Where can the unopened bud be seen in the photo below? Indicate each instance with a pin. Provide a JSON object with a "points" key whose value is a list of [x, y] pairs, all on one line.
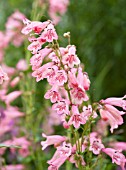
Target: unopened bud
{"points": [[66, 35]]}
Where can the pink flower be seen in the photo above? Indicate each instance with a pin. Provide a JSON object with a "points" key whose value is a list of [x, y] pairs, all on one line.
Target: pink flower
{"points": [[11, 97], [112, 115], [120, 102], [34, 47], [16, 113], [77, 92], [71, 58], [61, 155], [37, 59], [35, 26], [60, 77], [53, 94], [3, 76], [121, 146], [15, 81], [40, 72], [52, 140], [49, 33], [22, 65], [95, 145], [117, 157], [87, 112], [61, 107], [83, 79], [76, 119]]}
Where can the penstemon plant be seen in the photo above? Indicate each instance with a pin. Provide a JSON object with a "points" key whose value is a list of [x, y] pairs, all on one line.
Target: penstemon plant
{"points": [[85, 144]]}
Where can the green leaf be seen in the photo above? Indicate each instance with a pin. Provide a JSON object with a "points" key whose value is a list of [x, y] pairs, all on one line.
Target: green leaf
{"points": [[2, 145]]}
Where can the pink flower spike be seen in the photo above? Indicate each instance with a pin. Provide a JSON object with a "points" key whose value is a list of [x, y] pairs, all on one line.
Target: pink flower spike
{"points": [[115, 101], [52, 140], [117, 157], [76, 119], [49, 33], [3, 76]]}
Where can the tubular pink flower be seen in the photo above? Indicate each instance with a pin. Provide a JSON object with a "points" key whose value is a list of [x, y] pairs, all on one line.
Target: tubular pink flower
{"points": [[62, 107], [95, 145], [60, 77], [112, 120], [37, 59], [49, 33], [40, 72], [115, 101], [35, 26], [71, 58], [53, 94], [15, 81], [11, 97], [83, 79], [121, 146], [3, 76], [61, 155], [76, 119], [87, 112], [117, 157], [52, 140], [34, 47], [22, 65], [77, 92]]}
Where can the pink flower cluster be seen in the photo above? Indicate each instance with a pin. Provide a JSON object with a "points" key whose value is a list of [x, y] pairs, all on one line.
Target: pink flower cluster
{"points": [[69, 98], [12, 33]]}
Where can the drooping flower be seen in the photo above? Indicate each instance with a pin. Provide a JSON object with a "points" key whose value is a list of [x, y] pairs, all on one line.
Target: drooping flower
{"points": [[117, 156], [115, 101], [52, 140], [112, 115], [61, 155]]}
